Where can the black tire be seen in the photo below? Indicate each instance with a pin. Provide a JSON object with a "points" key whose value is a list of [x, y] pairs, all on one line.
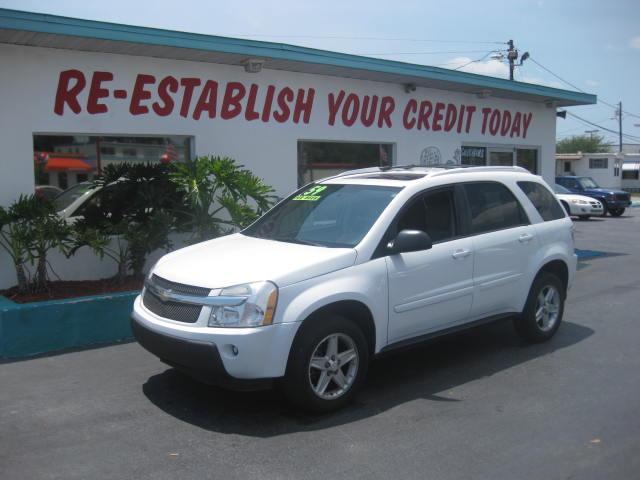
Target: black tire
{"points": [[566, 207], [604, 207], [297, 383], [584, 217], [526, 324], [616, 212]]}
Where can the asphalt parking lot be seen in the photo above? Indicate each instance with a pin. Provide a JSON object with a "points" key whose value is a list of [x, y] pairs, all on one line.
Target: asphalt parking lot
{"points": [[478, 405]]}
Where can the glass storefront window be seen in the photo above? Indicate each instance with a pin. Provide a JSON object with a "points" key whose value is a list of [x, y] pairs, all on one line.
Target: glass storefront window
{"points": [[66, 160], [318, 159], [527, 158]]}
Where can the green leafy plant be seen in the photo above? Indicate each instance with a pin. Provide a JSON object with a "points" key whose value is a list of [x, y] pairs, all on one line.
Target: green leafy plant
{"points": [[218, 196], [130, 216], [583, 143], [29, 229]]}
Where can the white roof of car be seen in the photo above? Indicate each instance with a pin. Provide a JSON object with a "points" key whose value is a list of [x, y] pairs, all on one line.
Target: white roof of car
{"points": [[410, 174]]}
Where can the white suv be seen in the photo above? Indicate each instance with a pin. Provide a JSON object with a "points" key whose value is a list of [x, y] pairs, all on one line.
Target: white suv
{"points": [[357, 265]]}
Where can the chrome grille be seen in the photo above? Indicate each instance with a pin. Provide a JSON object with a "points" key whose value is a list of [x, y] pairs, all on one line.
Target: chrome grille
{"points": [[179, 287], [178, 311], [622, 196]]}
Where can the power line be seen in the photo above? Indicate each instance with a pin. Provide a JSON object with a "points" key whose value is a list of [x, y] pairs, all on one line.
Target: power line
{"points": [[600, 100], [392, 39], [474, 61], [601, 127], [421, 53]]}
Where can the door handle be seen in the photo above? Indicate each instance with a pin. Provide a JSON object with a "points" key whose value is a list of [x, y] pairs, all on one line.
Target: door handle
{"points": [[461, 254], [525, 237]]}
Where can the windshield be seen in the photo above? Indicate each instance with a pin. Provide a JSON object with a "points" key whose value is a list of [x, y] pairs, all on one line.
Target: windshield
{"points": [[588, 182], [325, 215], [70, 195], [560, 189]]}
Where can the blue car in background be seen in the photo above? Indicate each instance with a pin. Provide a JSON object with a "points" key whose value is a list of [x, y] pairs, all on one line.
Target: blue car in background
{"points": [[613, 201]]}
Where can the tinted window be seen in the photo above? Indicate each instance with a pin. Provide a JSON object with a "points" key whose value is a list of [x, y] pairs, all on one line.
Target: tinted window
{"points": [[433, 213], [546, 204], [328, 215], [493, 207]]}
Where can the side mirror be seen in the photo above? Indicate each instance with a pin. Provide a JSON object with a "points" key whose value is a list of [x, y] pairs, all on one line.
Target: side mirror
{"points": [[410, 241]]}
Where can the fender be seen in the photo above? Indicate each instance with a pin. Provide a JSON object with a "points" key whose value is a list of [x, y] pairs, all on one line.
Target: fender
{"points": [[550, 249], [365, 283]]}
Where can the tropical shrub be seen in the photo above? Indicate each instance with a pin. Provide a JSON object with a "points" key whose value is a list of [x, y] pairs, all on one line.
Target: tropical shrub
{"points": [[29, 229], [218, 196]]}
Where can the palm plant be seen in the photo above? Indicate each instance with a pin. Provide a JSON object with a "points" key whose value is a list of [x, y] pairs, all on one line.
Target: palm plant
{"points": [[218, 195], [29, 229]]}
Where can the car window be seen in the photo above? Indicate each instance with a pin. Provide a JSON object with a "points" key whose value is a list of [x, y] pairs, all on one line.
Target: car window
{"points": [[432, 213], [544, 201], [493, 207], [560, 189], [328, 215], [588, 182], [70, 195]]}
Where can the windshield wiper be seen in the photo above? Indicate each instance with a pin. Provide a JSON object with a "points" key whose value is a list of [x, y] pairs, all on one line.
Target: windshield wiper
{"points": [[296, 240]]}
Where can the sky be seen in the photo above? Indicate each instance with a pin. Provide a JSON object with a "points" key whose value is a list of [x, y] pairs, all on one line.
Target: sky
{"points": [[593, 45]]}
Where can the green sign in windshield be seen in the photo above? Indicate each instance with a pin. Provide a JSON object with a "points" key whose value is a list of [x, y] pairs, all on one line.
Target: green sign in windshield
{"points": [[311, 195]]}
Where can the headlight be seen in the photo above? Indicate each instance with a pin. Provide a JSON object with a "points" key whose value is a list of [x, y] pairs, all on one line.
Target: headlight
{"points": [[256, 310], [579, 202]]}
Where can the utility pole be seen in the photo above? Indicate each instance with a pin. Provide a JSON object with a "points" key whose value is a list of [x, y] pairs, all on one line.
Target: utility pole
{"points": [[591, 132], [620, 125], [512, 56]]}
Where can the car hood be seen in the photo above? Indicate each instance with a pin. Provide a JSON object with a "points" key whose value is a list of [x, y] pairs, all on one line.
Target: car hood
{"points": [[237, 259], [603, 191], [573, 196]]}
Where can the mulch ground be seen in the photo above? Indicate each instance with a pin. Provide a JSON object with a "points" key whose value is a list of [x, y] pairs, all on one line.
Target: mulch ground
{"points": [[67, 289]]}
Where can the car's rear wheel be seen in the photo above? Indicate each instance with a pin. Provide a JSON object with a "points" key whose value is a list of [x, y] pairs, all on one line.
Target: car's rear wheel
{"points": [[543, 311], [616, 212], [327, 364]]}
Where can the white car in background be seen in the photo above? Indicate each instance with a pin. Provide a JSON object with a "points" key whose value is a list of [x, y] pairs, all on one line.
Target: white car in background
{"points": [[578, 205], [70, 203]]}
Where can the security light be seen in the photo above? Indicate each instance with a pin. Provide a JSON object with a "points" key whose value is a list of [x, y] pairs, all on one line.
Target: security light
{"points": [[253, 65]]}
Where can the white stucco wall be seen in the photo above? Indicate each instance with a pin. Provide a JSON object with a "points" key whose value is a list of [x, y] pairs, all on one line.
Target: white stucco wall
{"points": [[29, 79], [604, 177]]}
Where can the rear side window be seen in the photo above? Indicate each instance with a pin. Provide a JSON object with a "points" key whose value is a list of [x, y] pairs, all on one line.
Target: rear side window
{"points": [[544, 201], [493, 207]]}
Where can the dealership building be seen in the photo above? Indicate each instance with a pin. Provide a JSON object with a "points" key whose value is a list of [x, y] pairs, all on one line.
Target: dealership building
{"points": [[78, 95]]}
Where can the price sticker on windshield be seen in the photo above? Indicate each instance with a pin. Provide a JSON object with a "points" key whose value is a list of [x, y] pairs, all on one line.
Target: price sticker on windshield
{"points": [[311, 195]]}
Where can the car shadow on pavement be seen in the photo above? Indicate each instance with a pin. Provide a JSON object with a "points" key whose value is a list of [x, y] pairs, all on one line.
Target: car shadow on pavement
{"points": [[430, 373]]}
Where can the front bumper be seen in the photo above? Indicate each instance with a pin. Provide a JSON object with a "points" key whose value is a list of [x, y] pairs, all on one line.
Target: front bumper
{"points": [[238, 358], [613, 203]]}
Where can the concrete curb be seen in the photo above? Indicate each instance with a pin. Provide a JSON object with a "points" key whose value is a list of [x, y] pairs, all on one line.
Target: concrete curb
{"points": [[43, 327]]}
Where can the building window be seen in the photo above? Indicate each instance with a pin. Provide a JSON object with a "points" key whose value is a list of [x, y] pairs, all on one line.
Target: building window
{"points": [[500, 156], [474, 155], [52, 154], [527, 158], [630, 174], [130, 152], [598, 163], [567, 167], [322, 159]]}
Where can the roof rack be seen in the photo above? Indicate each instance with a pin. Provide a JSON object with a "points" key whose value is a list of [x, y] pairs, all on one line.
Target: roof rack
{"points": [[465, 168]]}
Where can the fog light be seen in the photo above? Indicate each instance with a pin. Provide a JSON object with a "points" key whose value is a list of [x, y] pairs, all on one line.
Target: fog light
{"points": [[234, 350]]}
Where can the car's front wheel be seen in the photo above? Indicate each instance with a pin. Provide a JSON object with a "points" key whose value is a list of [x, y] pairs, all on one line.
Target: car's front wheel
{"points": [[616, 212], [327, 364], [543, 311], [584, 217]]}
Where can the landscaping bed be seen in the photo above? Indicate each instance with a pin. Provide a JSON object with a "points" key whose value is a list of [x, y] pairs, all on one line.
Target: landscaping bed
{"points": [[72, 289]]}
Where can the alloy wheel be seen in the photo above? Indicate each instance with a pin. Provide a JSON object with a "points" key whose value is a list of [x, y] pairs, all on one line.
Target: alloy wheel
{"points": [[333, 366]]}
